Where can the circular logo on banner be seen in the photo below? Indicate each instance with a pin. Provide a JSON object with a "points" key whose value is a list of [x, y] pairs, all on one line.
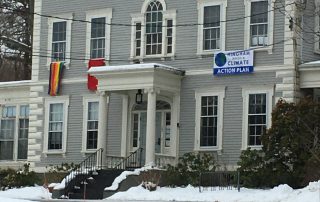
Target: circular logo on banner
{"points": [[220, 59]]}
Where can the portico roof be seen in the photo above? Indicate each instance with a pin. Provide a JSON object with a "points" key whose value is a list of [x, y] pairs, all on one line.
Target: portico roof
{"points": [[310, 74], [138, 76]]}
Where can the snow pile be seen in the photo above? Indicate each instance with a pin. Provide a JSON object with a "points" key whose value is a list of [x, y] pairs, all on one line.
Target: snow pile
{"points": [[31, 193], [281, 193], [124, 174]]}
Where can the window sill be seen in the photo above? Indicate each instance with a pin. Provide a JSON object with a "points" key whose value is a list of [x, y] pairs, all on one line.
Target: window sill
{"points": [[262, 49], [210, 149], [54, 152], [162, 57], [84, 152], [258, 147], [202, 54]]}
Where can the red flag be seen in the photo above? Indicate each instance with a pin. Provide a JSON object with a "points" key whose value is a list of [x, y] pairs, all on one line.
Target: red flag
{"points": [[92, 81]]}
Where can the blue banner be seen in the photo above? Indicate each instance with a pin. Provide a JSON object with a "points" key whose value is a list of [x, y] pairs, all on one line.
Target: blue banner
{"points": [[233, 62]]}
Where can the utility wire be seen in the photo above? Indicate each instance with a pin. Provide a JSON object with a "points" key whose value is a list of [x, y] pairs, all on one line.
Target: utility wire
{"points": [[130, 25], [40, 55]]}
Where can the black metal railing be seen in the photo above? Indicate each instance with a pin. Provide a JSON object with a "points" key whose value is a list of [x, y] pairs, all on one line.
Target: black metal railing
{"points": [[83, 170], [219, 180], [134, 160]]}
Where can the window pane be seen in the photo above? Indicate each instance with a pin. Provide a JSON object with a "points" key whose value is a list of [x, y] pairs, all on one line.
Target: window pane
{"points": [[55, 126], [208, 121], [6, 150], [92, 125], [256, 118], [59, 35], [154, 28]]}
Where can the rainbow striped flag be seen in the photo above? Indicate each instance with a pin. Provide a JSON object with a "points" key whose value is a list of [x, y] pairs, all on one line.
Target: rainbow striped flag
{"points": [[56, 69]]}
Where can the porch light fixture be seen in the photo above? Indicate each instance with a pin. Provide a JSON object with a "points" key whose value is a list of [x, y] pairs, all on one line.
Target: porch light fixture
{"points": [[139, 96]]}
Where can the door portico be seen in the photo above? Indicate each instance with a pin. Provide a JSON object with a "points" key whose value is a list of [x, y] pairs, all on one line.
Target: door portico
{"points": [[155, 80]]}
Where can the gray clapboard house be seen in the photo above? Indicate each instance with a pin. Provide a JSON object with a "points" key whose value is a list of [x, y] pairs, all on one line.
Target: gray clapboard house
{"points": [[162, 51]]}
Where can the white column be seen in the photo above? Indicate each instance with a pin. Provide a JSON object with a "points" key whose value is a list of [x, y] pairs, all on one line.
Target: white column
{"points": [[175, 118], [124, 132], [151, 127], [102, 125]]}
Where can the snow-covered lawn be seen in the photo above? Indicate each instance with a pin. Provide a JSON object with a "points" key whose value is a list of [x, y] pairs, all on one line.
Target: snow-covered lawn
{"points": [[282, 193]]}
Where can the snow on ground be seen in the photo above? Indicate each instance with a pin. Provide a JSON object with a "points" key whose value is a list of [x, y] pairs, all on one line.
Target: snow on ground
{"points": [[24, 194], [281, 193]]}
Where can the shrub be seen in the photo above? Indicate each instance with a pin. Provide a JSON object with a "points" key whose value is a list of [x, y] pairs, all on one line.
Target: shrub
{"points": [[188, 169], [12, 178], [291, 148], [150, 180]]}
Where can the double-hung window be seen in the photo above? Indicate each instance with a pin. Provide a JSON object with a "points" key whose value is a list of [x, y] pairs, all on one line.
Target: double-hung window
{"points": [[92, 125], [212, 26], [14, 124], [257, 106], [55, 126], [23, 132], [209, 119], [98, 33], [59, 39], [259, 24], [257, 118], [55, 138], [153, 31], [98, 38]]}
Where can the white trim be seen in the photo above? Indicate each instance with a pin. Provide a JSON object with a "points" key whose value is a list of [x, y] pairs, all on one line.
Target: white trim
{"points": [[223, 16], [147, 2], [85, 101], [55, 100], [68, 16], [246, 91], [99, 13], [36, 40], [317, 28], [124, 123], [272, 68], [247, 34], [215, 91]]}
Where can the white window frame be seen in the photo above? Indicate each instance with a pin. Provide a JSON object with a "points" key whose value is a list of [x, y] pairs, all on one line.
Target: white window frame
{"points": [[217, 91], [56, 100], [140, 18], [247, 34], [99, 13], [85, 103], [223, 16], [68, 16], [246, 91], [16, 129], [317, 28]]}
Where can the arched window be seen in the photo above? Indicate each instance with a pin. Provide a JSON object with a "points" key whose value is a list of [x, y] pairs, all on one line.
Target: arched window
{"points": [[153, 31], [154, 28]]}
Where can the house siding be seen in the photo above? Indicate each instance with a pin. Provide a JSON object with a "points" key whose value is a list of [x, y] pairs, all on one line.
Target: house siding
{"points": [[186, 58], [233, 106]]}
